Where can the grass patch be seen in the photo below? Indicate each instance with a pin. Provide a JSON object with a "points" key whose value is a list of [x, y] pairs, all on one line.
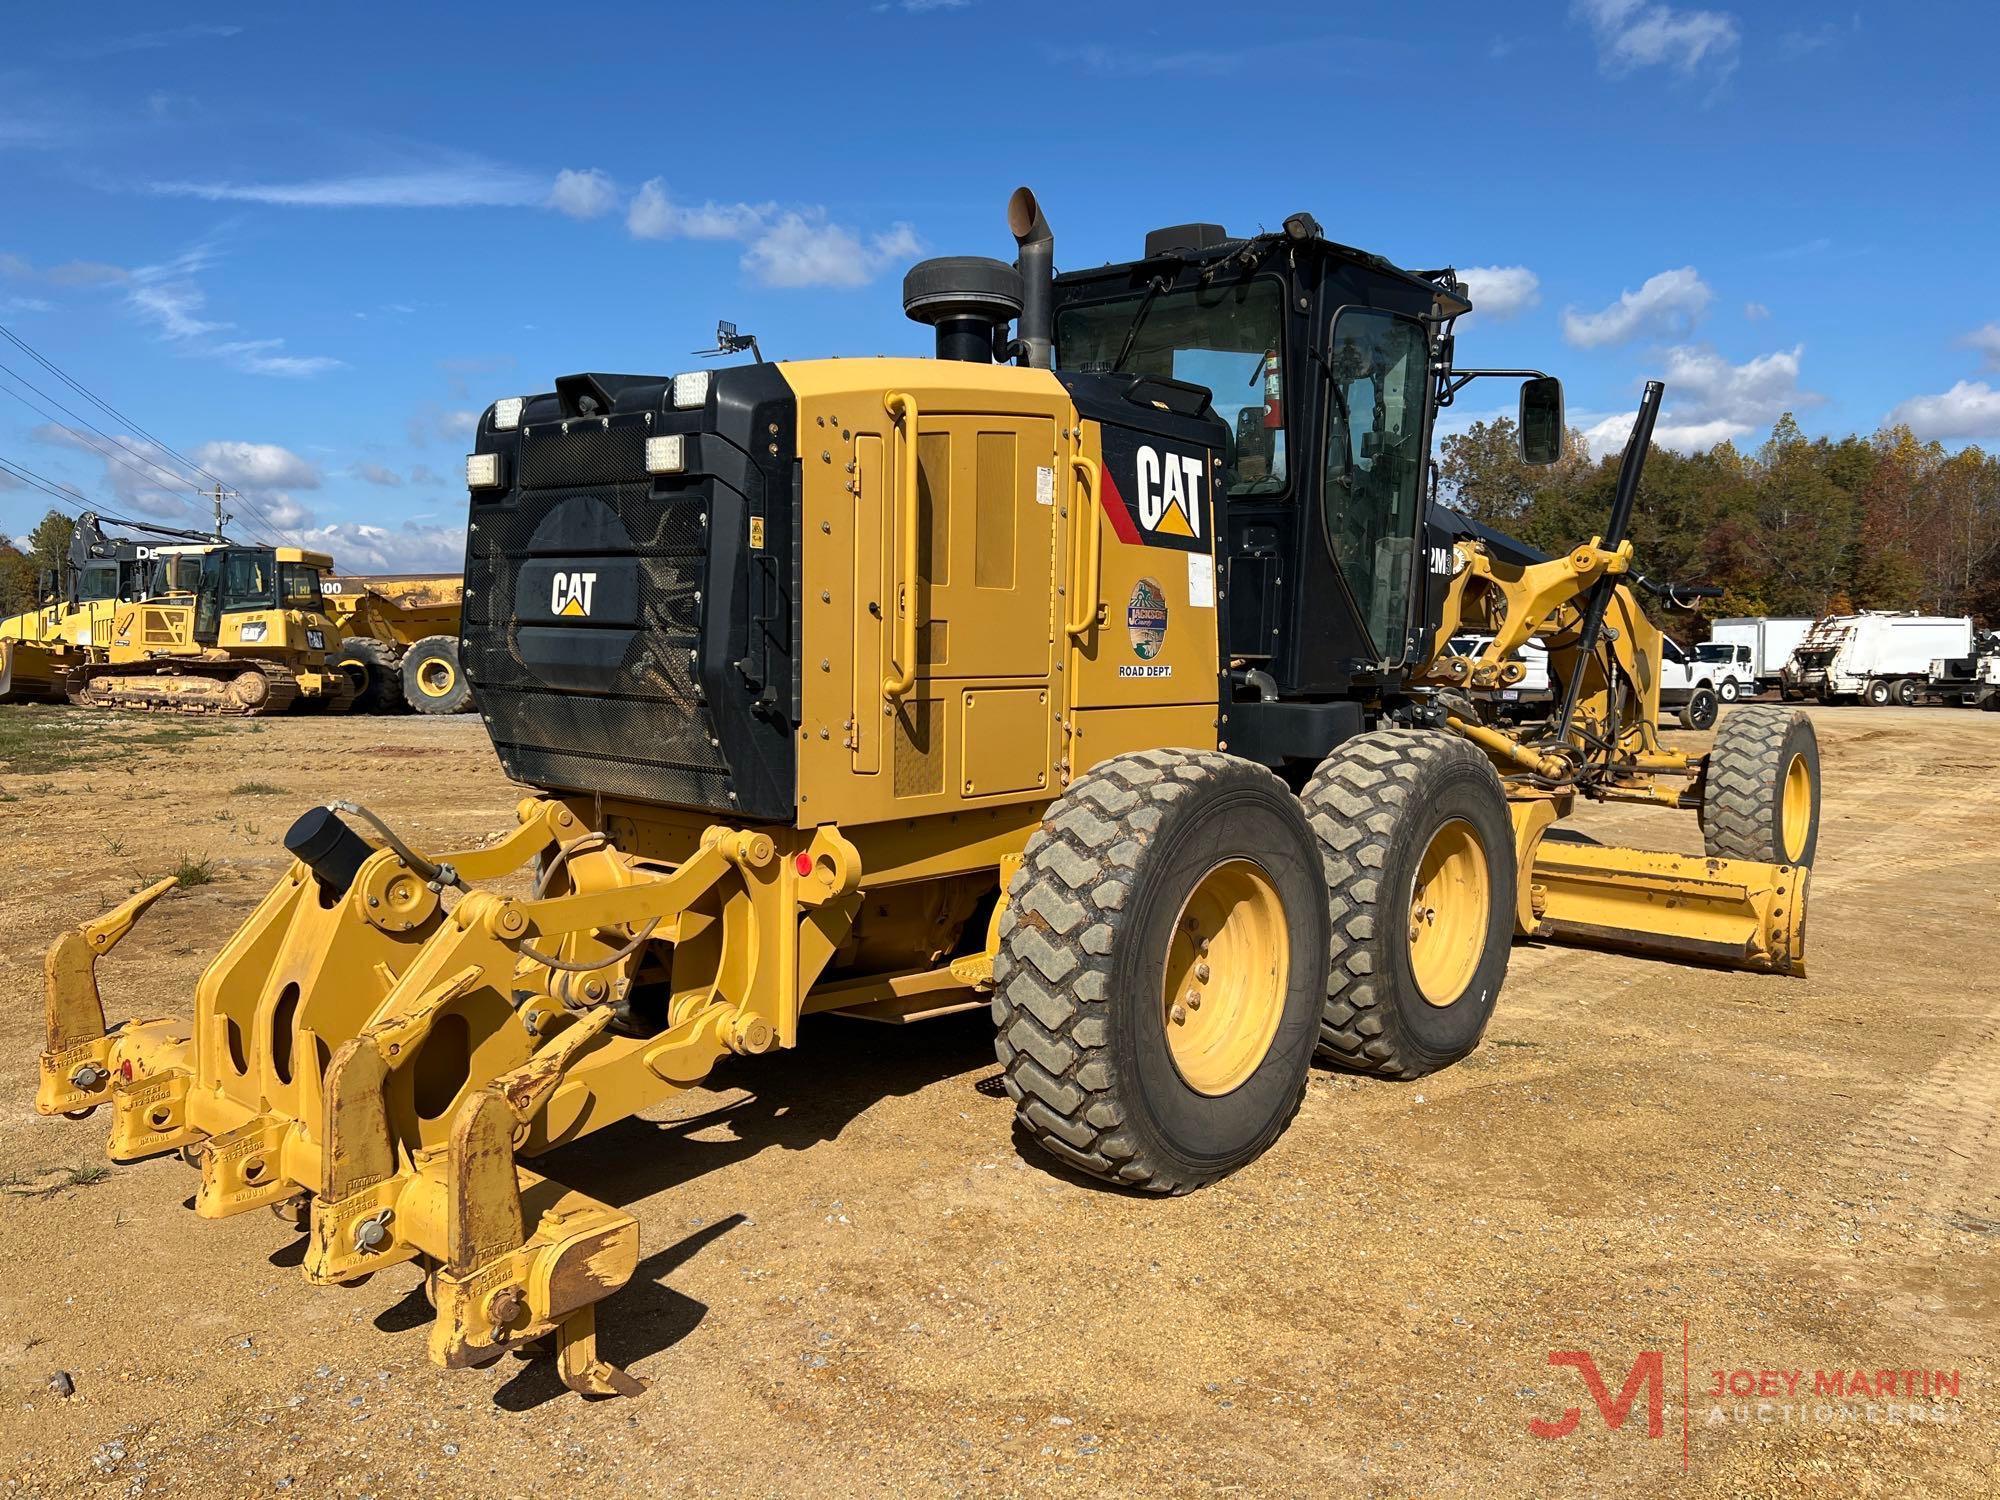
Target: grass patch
{"points": [[187, 873], [46, 1182], [44, 737], [256, 789]]}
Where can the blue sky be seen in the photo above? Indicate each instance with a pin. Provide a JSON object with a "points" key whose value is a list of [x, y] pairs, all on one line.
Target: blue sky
{"points": [[303, 245]]}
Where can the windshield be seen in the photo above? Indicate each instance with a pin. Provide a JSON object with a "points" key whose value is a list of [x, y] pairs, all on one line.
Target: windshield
{"points": [[1710, 651], [301, 586], [1223, 337]]}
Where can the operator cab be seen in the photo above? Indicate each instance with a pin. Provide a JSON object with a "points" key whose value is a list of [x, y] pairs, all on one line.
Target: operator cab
{"points": [[1327, 366]]}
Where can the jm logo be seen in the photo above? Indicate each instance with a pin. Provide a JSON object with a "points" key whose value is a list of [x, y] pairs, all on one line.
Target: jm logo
{"points": [[569, 594], [1169, 493], [1648, 1370]]}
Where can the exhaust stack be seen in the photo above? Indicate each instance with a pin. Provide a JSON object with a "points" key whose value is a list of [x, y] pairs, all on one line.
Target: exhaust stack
{"points": [[1037, 265]]}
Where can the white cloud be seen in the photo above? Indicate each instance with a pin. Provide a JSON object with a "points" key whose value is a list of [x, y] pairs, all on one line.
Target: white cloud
{"points": [[1666, 303], [359, 547], [654, 215], [433, 423], [1710, 401], [1633, 34], [583, 195], [784, 247], [1702, 384], [1501, 292], [379, 474], [257, 465], [146, 41], [920, 7], [140, 475], [1755, 312], [174, 308], [459, 183], [1987, 341], [1970, 409]]}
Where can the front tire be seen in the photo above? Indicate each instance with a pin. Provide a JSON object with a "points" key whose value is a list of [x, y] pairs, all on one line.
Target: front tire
{"points": [[1760, 792], [1728, 690], [433, 680], [1158, 986], [381, 675], [1417, 852]]}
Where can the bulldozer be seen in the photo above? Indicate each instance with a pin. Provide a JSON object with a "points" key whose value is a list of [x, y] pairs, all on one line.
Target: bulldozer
{"points": [[220, 629], [399, 638], [1093, 672]]}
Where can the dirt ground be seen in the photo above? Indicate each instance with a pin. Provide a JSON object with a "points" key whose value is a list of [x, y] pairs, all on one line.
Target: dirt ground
{"points": [[856, 1283]]}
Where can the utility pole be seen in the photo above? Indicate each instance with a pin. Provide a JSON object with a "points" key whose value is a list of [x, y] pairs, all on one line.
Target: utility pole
{"points": [[220, 518]]}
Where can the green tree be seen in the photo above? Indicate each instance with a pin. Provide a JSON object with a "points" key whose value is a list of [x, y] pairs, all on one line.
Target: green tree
{"points": [[48, 543]]}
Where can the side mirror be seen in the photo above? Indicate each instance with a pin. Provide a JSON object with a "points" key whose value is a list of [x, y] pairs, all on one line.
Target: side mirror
{"points": [[1541, 426]]}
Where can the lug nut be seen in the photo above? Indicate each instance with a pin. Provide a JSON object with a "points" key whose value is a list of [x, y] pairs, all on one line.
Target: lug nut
{"points": [[1180, 1015], [1201, 973]]}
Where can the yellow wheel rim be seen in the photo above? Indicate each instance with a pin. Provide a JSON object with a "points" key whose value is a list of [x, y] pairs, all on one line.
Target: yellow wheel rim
{"points": [[1795, 812], [436, 677], [1450, 906], [1227, 967]]}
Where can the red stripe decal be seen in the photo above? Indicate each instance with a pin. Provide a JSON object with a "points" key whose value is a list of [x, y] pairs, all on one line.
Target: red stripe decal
{"points": [[1114, 509]]}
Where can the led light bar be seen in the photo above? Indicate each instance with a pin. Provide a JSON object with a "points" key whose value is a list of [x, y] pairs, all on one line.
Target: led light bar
{"points": [[482, 471], [666, 455], [507, 413], [691, 390]]}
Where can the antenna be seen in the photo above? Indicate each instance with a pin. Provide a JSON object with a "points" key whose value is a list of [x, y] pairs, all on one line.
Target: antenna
{"points": [[729, 341]]}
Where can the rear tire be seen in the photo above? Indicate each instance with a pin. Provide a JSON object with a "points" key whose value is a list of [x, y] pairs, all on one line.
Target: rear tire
{"points": [[1877, 694], [1904, 691], [1161, 873], [1411, 823], [1700, 711], [1760, 792], [380, 674], [433, 680]]}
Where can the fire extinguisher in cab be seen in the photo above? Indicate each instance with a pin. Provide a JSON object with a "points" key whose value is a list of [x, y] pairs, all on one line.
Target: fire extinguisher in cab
{"points": [[1274, 399]]}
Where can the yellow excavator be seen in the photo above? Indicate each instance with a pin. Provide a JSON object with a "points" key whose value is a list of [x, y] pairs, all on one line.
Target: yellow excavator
{"points": [[1093, 673]]}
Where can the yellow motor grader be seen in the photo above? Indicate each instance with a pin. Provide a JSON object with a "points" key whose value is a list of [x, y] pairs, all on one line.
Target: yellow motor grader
{"points": [[221, 629], [1095, 674]]}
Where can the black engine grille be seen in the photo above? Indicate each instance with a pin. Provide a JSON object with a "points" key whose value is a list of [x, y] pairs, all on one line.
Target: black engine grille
{"points": [[629, 721]]}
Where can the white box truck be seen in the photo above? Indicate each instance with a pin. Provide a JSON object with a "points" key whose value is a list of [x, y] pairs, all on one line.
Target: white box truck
{"points": [[1876, 657], [1762, 645]]}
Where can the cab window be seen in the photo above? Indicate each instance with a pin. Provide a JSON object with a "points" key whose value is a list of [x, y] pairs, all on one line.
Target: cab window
{"points": [[100, 581], [248, 582], [1376, 403], [300, 585], [1224, 337]]}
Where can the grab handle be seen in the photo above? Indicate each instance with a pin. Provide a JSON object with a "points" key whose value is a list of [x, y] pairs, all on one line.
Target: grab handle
{"points": [[902, 408], [1090, 531]]}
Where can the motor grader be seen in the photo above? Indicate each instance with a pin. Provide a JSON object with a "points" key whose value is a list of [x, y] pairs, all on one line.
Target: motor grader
{"points": [[221, 629], [1095, 673]]}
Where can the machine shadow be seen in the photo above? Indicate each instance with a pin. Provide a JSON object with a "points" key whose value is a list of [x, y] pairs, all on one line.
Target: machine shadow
{"points": [[798, 1099]]}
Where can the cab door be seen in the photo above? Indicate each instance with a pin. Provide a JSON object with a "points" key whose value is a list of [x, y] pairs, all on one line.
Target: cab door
{"points": [[1377, 402]]}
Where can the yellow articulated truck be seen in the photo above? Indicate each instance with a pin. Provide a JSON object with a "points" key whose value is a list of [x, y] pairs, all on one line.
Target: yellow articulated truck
{"points": [[1094, 673], [399, 639]]}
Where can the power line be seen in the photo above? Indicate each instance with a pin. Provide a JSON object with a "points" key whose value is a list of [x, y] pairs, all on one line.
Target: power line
{"points": [[98, 401], [272, 532]]}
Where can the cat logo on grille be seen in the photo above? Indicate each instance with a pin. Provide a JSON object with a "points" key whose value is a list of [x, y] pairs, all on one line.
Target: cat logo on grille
{"points": [[569, 594]]}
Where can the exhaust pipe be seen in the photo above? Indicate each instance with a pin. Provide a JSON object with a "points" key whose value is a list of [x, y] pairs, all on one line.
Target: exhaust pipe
{"points": [[1037, 265]]}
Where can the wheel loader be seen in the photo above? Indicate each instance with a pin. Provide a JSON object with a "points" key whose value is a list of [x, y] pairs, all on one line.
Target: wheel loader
{"points": [[222, 629], [1093, 672], [399, 636]]}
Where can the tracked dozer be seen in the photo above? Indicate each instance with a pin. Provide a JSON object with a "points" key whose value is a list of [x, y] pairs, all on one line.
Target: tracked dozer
{"points": [[1092, 672], [223, 629]]}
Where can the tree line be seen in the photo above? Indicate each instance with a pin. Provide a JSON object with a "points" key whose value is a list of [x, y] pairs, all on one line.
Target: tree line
{"points": [[21, 569], [1799, 526]]}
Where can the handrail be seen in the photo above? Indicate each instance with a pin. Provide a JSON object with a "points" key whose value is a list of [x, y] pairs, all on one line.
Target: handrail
{"points": [[902, 407], [1091, 529]]}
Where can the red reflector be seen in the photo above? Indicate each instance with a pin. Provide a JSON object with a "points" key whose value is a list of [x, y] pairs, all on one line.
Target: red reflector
{"points": [[125, 1070], [803, 864]]}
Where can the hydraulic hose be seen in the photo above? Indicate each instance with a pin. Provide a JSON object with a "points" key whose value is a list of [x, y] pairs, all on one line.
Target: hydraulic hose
{"points": [[433, 873]]}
